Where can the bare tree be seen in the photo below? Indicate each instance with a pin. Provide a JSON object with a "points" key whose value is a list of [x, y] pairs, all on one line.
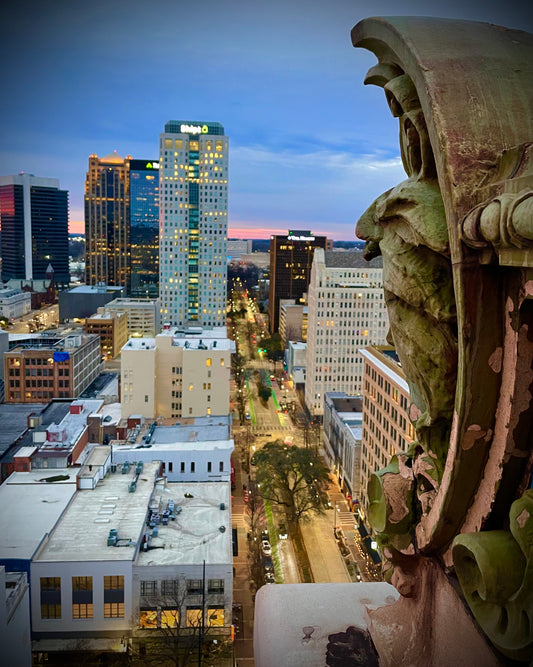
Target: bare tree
{"points": [[179, 626]]}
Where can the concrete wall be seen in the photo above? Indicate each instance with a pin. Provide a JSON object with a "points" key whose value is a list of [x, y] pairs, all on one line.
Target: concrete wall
{"points": [[173, 458], [15, 636], [67, 570]]}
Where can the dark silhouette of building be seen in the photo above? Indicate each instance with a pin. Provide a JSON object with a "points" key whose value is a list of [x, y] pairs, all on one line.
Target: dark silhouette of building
{"points": [[34, 215], [144, 227], [291, 258]]}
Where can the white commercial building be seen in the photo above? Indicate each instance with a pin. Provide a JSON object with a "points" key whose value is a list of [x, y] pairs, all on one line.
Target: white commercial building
{"points": [[296, 361], [14, 303], [128, 555], [143, 315], [193, 450], [177, 374], [193, 189], [346, 312], [343, 425]]}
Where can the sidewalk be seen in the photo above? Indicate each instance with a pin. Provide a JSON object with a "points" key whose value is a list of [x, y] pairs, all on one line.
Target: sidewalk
{"points": [[243, 602]]}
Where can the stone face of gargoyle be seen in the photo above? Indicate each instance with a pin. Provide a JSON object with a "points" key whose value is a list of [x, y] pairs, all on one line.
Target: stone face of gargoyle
{"points": [[407, 226]]}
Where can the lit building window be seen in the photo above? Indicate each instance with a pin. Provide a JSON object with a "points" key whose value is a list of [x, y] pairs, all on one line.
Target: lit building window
{"points": [[148, 617]]}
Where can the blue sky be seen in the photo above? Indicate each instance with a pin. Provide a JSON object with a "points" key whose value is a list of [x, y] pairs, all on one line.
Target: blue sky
{"points": [[310, 145]]}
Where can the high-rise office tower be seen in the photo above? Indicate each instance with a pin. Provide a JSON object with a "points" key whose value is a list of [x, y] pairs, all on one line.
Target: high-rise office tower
{"points": [[144, 227], [291, 258], [107, 215], [34, 215], [346, 312], [193, 181]]}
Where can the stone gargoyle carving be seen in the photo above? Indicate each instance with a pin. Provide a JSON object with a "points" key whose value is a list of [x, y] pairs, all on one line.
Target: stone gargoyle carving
{"points": [[457, 244]]}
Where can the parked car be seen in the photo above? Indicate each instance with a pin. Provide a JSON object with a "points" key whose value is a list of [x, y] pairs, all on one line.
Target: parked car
{"points": [[268, 564], [269, 578], [265, 546], [282, 532]]}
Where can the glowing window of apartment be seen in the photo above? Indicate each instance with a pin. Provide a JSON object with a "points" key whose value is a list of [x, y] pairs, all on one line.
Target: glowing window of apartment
{"points": [[208, 361], [222, 363]]}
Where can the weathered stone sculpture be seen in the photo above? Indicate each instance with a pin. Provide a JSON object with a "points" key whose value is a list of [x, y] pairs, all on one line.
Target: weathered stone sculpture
{"points": [[457, 243]]}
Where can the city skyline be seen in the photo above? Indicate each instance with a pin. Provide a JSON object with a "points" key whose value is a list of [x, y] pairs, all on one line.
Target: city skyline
{"points": [[311, 146]]}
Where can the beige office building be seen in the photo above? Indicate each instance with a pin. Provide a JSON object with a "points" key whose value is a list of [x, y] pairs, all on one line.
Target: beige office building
{"points": [[177, 374], [143, 315], [112, 327], [387, 429], [292, 321]]}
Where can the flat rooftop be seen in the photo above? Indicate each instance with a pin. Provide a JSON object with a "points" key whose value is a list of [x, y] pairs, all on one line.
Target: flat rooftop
{"points": [[95, 289], [14, 423], [195, 535], [139, 344], [82, 533], [30, 507], [201, 432], [104, 384]]}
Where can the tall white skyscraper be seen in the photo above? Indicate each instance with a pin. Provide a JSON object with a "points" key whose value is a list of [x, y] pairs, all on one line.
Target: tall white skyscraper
{"points": [[346, 312], [193, 223]]}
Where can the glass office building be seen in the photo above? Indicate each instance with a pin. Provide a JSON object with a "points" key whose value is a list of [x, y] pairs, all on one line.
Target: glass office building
{"points": [[144, 227], [107, 203], [34, 215], [193, 223]]}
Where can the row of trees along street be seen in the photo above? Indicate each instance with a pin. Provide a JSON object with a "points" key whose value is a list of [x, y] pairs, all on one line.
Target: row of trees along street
{"points": [[292, 480]]}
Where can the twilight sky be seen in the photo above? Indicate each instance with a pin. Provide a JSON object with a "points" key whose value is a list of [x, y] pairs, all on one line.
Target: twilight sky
{"points": [[310, 145]]}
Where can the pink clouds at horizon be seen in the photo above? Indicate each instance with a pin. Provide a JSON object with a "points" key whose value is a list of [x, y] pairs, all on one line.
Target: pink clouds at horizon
{"points": [[77, 227]]}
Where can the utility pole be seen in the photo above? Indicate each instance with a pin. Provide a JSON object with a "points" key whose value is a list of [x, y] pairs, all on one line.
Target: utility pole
{"points": [[201, 633]]}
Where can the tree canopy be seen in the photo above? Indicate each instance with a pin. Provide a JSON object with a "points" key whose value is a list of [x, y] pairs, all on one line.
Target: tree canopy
{"points": [[293, 478]]}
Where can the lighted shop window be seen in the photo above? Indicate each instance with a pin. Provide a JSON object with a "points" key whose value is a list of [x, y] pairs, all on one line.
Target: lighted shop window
{"points": [[170, 617], [148, 618], [194, 617], [215, 617]]}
